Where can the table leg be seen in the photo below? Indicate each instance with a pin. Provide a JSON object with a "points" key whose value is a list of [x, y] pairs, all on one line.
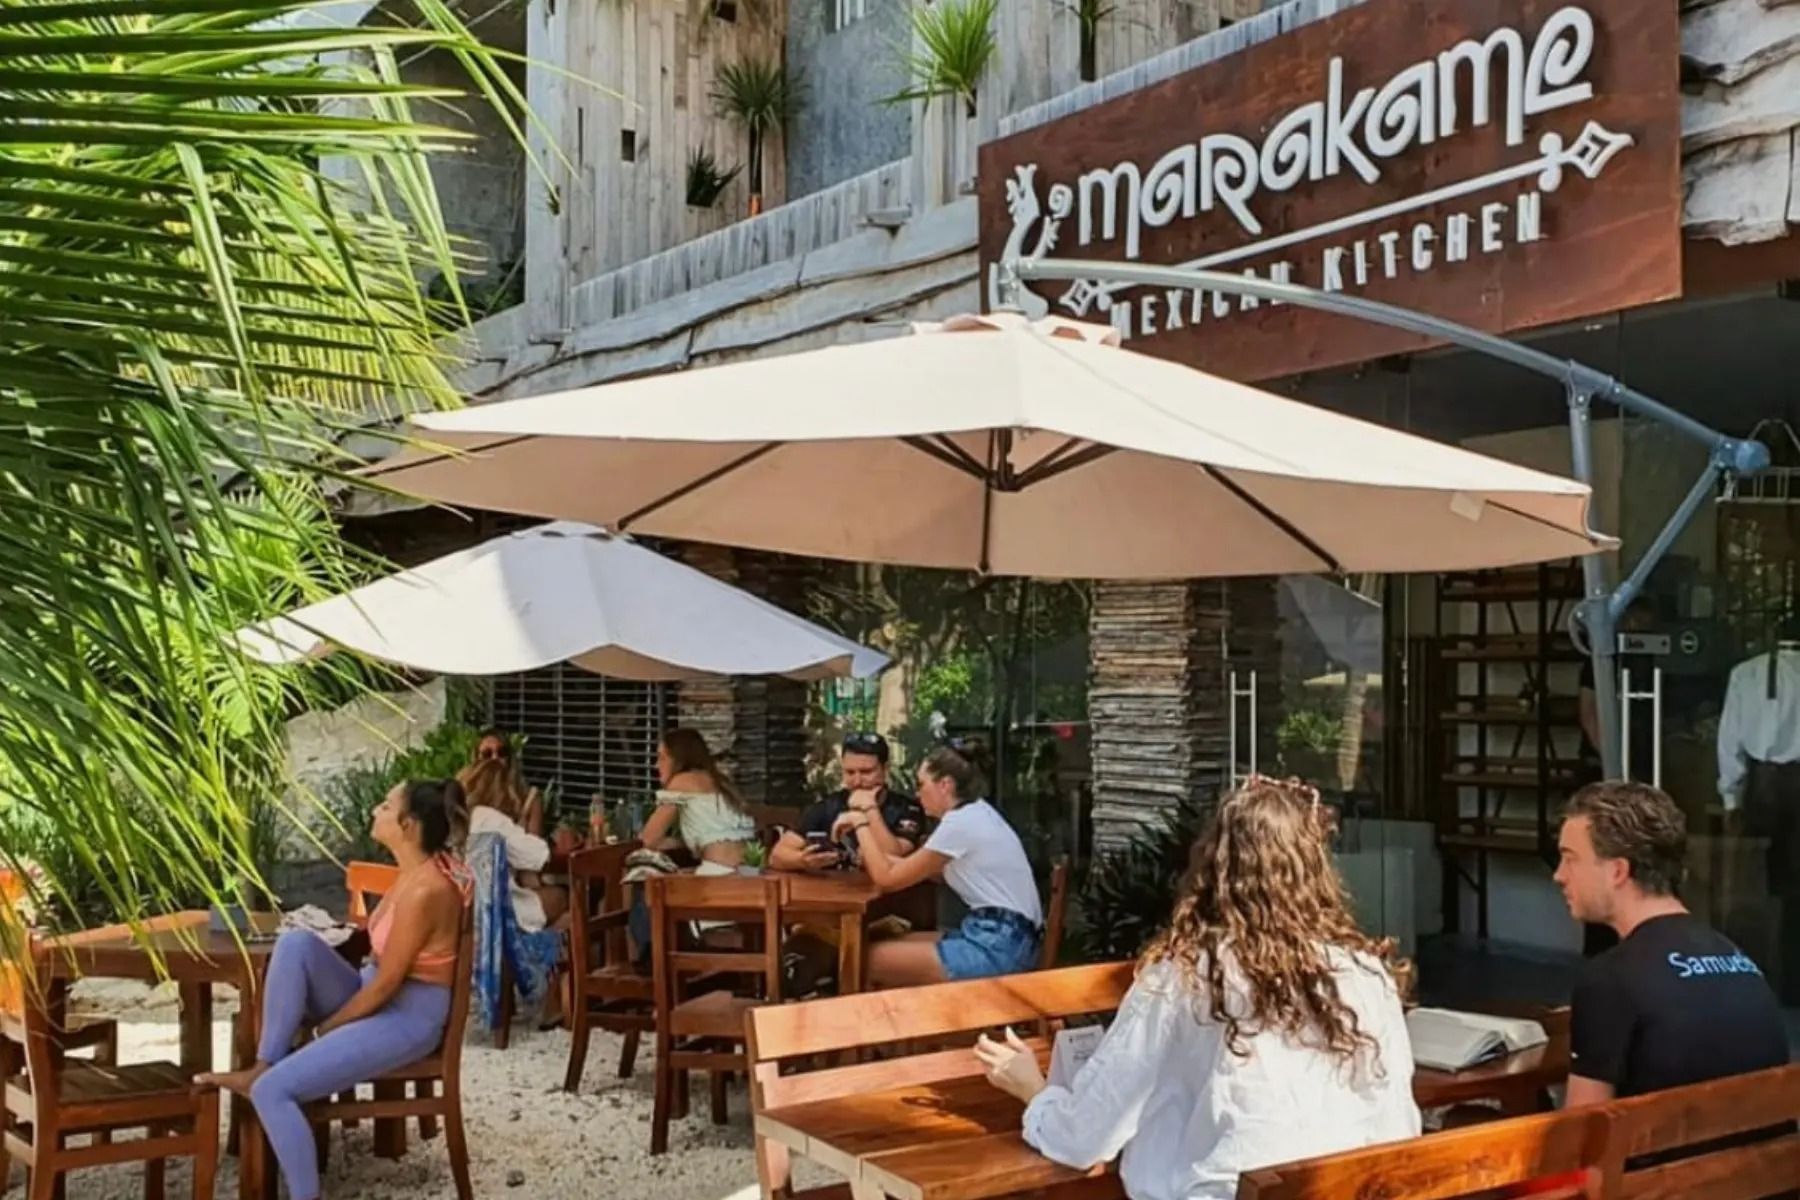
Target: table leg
{"points": [[196, 1026], [850, 953]]}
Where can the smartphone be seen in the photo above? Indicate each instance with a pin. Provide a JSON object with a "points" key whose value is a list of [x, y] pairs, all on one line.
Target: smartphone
{"points": [[819, 841]]}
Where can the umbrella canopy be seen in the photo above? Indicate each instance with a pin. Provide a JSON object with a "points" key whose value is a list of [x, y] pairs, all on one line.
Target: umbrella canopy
{"points": [[998, 444], [556, 593]]}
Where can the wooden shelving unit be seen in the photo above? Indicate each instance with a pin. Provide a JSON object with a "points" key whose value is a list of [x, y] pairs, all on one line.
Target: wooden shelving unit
{"points": [[1506, 723]]}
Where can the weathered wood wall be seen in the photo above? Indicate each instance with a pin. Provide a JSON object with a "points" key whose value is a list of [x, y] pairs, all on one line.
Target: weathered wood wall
{"points": [[1740, 119], [647, 67]]}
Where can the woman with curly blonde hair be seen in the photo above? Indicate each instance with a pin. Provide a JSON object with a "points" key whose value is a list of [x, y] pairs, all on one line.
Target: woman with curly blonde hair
{"points": [[1263, 1026]]}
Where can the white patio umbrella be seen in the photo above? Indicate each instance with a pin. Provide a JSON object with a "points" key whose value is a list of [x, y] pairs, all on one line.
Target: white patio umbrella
{"points": [[556, 593], [998, 444]]}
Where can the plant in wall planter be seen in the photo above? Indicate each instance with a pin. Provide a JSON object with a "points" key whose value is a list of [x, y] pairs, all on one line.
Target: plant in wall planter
{"points": [[953, 43], [706, 178], [1088, 15], [757, 94]]}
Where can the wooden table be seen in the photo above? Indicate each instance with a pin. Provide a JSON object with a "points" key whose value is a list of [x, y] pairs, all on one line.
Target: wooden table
{"points": [[196, 958], [849, 899], [1516, 1081], [959, 1139]]}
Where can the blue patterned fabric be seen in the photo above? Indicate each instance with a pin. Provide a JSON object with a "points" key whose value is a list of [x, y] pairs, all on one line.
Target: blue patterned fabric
{"points": [[498, 938]]}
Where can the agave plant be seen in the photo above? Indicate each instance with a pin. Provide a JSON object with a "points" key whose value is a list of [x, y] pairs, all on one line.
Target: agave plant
{"points": [[953, 43], [757, 94], [192, 311], [706, 179]]}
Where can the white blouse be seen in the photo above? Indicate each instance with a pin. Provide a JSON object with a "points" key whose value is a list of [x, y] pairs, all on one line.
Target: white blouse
{"points": [[1190, 1116]]}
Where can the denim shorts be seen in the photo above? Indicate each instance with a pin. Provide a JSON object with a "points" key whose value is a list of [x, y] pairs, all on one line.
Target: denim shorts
{"points": [[990, 941]]}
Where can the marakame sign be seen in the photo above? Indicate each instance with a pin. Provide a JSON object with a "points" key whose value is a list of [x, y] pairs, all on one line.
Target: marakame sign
{"points": [[1500, 164]]}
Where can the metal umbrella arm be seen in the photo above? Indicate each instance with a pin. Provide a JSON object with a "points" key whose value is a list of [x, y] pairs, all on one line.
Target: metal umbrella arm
{"points": [[1596, 618]]}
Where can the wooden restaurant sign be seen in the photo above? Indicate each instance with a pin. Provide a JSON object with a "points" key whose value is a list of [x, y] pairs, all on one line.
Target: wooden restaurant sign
{"points": [[1502, 163]]}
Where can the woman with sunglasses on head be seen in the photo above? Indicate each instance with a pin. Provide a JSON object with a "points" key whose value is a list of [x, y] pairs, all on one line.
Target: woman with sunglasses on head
{"points": [[1263, 1027], [977, 853], [524, 805]]}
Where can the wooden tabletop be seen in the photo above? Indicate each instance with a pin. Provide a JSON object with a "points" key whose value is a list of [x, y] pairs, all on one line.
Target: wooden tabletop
{"points": [[190, 951], [959, 1139], [828, 892], [1515, 1080]]}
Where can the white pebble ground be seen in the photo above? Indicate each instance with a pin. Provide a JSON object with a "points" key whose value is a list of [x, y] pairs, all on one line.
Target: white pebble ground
{"points": [[527, 1138]]}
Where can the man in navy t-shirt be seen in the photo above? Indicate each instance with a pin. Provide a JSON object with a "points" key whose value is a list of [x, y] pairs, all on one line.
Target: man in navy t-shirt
{"points": [[1675, 1002]]}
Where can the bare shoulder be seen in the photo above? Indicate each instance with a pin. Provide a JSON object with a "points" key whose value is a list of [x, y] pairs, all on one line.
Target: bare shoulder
{"points": [[691, 783]]}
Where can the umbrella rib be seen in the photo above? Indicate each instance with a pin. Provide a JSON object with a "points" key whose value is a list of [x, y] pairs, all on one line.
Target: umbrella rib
{"points": [[948, 453], [443, 456], [1280, 522], [693, 485], [1063, 459]]}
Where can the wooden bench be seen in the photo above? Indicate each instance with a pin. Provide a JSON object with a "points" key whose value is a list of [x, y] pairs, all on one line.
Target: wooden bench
{"points": [[888, 1126], [1682, 1143]]}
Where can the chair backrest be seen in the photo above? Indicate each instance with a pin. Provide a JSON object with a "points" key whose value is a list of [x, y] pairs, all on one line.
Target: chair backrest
{"points": [[1560, 1153], [31, 1026], [874, 1018], [597, 889], [1056, 908], [461, 989], [1714, 1129], [752, 902], [363, 880]]}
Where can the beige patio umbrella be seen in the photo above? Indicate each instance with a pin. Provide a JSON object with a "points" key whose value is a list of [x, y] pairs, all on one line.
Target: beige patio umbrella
{"points": [[997, 444]]}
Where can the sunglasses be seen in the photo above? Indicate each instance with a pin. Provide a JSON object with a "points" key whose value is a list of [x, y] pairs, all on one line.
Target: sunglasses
{"points": [[864, 743], [492, 752]]}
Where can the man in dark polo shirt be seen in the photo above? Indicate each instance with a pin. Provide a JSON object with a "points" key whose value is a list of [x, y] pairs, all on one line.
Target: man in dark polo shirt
{"points": [[863, 766], [1675, 1002]]}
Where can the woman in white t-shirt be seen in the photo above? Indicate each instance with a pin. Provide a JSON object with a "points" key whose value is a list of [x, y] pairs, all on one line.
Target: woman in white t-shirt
{"points": [[979, 856], [536, 905], [1263, 1027]]}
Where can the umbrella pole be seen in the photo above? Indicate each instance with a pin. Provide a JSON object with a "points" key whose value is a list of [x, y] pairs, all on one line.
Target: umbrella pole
{"points": [[1730, 458]]}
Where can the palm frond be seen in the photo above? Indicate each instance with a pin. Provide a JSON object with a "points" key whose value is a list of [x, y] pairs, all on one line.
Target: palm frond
{"points": [[215, 220]]}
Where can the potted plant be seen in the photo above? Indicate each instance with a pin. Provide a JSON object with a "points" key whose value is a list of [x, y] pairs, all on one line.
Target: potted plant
{"points": [[1088, 15], [706, 178], [953, 44], [756, 93]]}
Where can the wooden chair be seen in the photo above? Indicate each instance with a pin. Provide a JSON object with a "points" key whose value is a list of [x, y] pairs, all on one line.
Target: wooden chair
{"points": [[705, 1031], [60, 1098], [1555, 1156], [1056, 908], [786, 1040], [1729, 1139], [436, 1081], [365, 881], [606, 991]]}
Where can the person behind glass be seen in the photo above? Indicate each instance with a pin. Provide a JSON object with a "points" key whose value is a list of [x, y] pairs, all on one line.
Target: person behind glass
{"points": [[525, 805], [1263, 1025], [977, 854], [536, 905], [863, 765], [366, 1022]]}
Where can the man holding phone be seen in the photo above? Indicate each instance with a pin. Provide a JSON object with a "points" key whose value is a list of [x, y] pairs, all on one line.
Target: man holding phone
{"points": [[864, 767]]}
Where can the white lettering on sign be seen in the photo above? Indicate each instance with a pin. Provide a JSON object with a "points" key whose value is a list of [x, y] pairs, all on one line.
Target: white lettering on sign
{"points": [[1341, 267], [1506, 78]]}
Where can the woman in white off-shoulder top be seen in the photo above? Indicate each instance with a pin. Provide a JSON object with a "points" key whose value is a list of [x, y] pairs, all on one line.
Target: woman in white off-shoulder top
{"points": [[1263, 1027]]}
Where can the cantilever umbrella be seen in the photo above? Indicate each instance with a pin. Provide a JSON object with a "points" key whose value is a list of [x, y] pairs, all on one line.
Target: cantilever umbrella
{"points": [[998, 444], [556, 593]]}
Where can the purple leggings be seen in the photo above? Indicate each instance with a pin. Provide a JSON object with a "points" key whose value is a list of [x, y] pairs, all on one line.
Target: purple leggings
{"points": [[307, 982]]}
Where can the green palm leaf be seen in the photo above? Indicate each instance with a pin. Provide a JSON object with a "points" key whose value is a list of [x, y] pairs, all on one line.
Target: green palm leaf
{"points": [[953, 43], [192, 311]]}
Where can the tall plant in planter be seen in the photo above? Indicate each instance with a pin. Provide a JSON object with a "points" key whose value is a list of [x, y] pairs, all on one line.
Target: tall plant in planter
{"points": [[1088, 15], [757, 94], [953, 43]]}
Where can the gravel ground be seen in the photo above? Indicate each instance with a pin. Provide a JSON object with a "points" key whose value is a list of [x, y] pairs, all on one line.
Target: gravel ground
{"points": [[526, 1137]]}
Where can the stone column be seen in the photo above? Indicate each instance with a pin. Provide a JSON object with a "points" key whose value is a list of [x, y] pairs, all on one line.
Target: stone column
{"points": [[1158, 692]]}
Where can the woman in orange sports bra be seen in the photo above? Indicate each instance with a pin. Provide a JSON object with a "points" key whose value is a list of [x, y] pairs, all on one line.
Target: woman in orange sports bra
{"points": [[390, 1013]]}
